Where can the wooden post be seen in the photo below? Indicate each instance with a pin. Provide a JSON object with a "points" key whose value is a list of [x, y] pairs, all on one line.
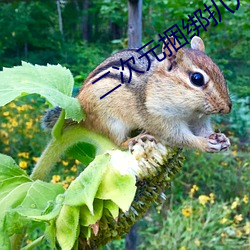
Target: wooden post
{"points": [[134, 23], [58, 2], [131, 238], [85, 20], [134, 41]]}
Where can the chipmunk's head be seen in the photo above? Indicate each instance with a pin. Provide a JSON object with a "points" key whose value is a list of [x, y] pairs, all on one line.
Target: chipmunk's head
{"points": [[193, 81], [204, 77]]}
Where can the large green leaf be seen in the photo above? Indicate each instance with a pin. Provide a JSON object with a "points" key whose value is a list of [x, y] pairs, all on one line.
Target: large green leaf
{"points": [[83, 152], [83, 189], [67, 226], [112, 208], [14, 223], [118, 188], [53, 82], [14, 184], [48, 214], [6, 186], [20, 197], [17, 189], [14, 198], [50, 234], [39, 194], [103, 181], [86, 218], [4, 240], [10, 201], [9, 168], [34, 243], [99, 191]]}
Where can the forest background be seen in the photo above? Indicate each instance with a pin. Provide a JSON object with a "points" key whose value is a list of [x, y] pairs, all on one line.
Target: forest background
{"points": [[207, 205]]}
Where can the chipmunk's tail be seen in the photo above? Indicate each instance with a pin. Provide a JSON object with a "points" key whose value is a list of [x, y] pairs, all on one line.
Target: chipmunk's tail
{"points": [[50, 117]]}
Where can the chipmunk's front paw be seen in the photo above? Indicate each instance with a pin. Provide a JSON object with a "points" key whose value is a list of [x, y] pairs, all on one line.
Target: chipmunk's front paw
{"points": [[141, 139], [218, 142]]}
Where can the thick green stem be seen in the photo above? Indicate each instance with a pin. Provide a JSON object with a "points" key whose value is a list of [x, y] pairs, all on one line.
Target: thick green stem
{"points": [[54, 150], [16, 240], [57, 147]]}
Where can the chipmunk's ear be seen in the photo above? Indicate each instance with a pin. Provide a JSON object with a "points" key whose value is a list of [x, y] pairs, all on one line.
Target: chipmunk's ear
{"points": [[173, 56], [197, 43]]}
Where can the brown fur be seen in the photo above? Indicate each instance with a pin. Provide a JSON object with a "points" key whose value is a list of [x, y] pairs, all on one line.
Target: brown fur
{"points": [[161, 101]]}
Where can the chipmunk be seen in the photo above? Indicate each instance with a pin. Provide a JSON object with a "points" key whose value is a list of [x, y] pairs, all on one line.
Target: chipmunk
{"points": [[172, 101]]}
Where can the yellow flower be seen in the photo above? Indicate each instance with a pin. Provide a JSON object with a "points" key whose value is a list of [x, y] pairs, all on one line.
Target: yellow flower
{"points": [[65, 163], [77, 162], [211, 195], [235, 203], [70, 178], [55, 178], [6, 113], [29, 135], [29, 124], [193, 190], [234, 152], [6, 141], [20, 154], [23, 164], [65, 185], [224, 164], [238, 233], [73, 168], [187, 211], [6, 149], [35, 159], [182, 248], [223, 235], [238, 218], [12, 105], [14, 123], [197, 242], [24, 155], [4, 134], [247, 227], [245, 199], [203, 199], [223, 220], [23, 107]]}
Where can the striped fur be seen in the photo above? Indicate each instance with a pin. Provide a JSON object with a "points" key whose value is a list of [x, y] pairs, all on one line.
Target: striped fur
{"points": [[161, 101]]}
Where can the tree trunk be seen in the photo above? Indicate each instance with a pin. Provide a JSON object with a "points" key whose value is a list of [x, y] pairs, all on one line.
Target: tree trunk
{"points": [[134, 23], [85, 19], [131, 238], [59, 16]]}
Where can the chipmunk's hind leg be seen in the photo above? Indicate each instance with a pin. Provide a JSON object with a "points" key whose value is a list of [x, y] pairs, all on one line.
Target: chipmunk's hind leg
{"points": [[118, 131]]}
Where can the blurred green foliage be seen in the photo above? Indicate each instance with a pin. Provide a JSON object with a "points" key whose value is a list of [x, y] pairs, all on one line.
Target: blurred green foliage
{"points": [[30, 32], [207, 205]]}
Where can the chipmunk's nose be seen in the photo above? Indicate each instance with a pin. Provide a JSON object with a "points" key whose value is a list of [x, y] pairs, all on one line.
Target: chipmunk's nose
{"points": [[226, 109], [230, 106]]}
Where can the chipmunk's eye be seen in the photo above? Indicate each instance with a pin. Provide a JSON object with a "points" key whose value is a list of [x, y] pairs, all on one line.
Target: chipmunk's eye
{"points": [[197, 79]]}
